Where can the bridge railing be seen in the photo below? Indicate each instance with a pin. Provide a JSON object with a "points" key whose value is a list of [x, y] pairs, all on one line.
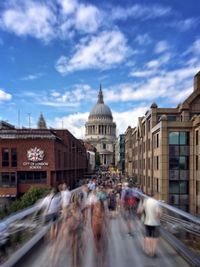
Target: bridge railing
{"points": [[21, 227], [182, 230]]}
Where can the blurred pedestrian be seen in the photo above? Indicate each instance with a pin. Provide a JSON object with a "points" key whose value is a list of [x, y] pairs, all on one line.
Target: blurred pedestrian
{"points": [[152, 224]]}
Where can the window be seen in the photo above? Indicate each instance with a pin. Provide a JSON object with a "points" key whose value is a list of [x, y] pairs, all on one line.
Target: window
{"points": [[32, 177], [184, 138], [174, 138], [183, 163], [7, 179], [149, 125], [157, 163], [12, 178], [5, 157], [104, 146], [179, 138], [171, 117], [148, 164], [157, 185], [197, 138], [197, 163], [157, 140], [13, 157]]}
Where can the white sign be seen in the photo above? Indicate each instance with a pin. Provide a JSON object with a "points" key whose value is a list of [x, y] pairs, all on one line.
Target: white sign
{"points": [[35, 157]]}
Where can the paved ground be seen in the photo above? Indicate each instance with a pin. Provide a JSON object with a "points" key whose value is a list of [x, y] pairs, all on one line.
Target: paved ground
{"points": [[122, 249]]}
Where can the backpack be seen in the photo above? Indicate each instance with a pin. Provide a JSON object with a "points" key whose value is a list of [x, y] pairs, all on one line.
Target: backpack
{"points": [[129, 199]]}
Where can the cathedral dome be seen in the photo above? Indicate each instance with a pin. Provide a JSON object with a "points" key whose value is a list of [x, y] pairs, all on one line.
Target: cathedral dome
{"points": [[100, 109]]}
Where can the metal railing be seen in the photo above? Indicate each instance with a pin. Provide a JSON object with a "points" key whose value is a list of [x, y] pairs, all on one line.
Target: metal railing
{"points": [[20, 231]]}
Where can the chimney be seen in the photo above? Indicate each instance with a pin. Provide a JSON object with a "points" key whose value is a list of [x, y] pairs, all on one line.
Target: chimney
{"points": [[197, 81]]}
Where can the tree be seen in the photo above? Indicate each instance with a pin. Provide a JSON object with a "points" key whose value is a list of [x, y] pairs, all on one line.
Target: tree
{"points": [[28, 199]]}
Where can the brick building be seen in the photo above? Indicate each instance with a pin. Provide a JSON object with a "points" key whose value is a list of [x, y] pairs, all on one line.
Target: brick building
{"points": [[163, 152], [40, 157]]}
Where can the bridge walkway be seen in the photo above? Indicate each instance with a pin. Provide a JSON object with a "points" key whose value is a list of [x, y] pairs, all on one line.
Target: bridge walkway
{"points": [[123, 250]]}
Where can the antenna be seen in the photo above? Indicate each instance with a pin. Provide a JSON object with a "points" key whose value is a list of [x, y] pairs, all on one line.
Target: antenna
{"points": [[19, 118], [29, 120]]}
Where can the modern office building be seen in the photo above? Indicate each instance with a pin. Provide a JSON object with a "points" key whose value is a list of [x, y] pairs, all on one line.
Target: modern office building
{"points": [[39, 157], [163, 152], [100, 131]]}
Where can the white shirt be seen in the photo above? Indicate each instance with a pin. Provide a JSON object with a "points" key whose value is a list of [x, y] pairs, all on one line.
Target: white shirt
{"points": [[66, 196], [152, 210], [52, 203]]}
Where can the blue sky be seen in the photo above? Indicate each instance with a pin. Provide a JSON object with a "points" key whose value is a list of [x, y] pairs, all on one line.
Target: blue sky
{"points": [[55, 53]]}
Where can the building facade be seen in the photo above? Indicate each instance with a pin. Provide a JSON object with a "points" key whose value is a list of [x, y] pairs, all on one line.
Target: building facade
{"points": [[38, 157], [163, 152], [100, 131], [120, 153]]}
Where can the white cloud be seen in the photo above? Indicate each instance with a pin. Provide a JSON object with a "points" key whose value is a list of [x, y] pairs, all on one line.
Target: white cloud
{"points": [[31, 77], [161, 46], [75, 123], [88, 18], [49, 20], [186, 24], [142, 73], [68, 6], [128, 117], [30, 18], [71, 98], [157, 63], [196, 47], [5, 96], [139, 11], [100, 52], [143, 39], [172, 86]]}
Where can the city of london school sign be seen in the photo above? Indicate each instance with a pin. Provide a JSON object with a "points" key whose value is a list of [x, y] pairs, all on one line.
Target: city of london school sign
{"points": [[35, 158]]}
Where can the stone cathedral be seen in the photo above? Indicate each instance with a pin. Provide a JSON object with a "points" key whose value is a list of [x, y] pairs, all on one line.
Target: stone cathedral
{"points": [[100, 131]]}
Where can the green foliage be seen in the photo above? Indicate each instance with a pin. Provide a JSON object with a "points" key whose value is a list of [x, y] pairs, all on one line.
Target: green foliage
{"points": [[28, 199]]}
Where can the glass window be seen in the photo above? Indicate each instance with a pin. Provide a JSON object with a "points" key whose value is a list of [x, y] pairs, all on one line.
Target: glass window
{"points": [[174, 174], [174, 163], [174, 138], [13, 157], [12, 178], [5, 157], [183, 187], [104, 146], [174, 150], [184, 138], [29, 176], [174, 187], [183, 163], [184, 150], [174, 199], [184, 175], [184, 199], [197, 137], [171, 117], [5, 179]]}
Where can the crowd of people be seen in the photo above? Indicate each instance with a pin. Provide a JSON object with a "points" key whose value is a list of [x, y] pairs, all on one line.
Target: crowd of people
{"points": [[98, 201]]}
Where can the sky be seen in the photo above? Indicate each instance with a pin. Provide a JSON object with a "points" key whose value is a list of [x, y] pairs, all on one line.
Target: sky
{"points": [[54, 54]]}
